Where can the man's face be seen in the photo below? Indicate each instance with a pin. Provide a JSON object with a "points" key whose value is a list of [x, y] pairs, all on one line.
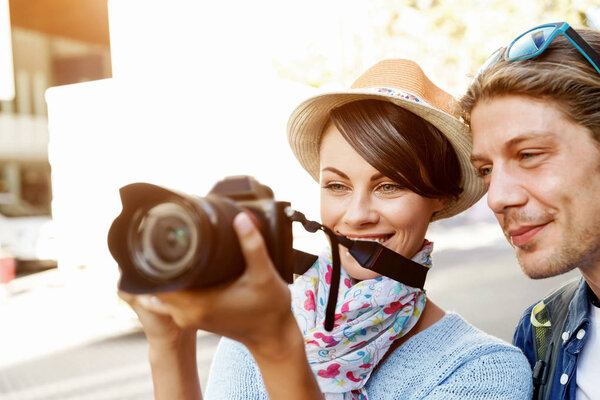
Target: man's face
{"points": [[543, 177]]}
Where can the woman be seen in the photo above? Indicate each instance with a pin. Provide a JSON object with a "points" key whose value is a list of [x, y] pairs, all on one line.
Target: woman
{"points": [[390, 158]]}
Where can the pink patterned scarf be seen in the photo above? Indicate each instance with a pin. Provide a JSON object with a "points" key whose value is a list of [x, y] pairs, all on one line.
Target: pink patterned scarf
{"points": [[369, 316]]}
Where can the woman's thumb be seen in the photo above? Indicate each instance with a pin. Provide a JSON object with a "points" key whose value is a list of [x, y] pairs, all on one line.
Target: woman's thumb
{"points": [[251, 241]]}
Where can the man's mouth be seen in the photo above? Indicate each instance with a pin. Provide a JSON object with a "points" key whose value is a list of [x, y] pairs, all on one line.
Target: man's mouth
{"points": [[521, 235]]}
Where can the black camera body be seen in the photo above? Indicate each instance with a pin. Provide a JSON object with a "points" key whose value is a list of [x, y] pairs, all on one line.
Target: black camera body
{"points": [[166, 240]]}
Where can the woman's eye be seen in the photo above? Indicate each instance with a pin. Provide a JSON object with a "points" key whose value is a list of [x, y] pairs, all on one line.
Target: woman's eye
{"points": [[335, 187], [389, 188]]}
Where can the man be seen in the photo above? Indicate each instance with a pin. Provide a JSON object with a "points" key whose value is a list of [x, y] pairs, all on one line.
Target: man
{"points": [[534, 111]]}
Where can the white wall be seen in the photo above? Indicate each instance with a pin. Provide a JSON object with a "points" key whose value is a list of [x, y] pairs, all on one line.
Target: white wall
{"points": [[188, 105]]}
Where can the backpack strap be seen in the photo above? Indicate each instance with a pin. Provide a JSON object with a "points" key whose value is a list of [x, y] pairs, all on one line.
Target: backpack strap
{"points": [[548, 318]]}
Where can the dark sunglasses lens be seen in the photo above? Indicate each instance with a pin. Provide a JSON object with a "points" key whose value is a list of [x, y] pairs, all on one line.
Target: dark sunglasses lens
{"points": [[530, 43]]}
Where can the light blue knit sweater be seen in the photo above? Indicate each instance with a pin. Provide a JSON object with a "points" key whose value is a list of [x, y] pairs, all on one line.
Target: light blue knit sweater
{"points": [[450, 360]]}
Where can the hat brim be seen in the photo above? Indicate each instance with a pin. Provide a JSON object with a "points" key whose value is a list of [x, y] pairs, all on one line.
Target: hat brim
{"points": [[307, 121]]}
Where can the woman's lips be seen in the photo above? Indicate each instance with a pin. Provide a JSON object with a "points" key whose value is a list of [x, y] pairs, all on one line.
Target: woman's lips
{"points": [[524, 234]]}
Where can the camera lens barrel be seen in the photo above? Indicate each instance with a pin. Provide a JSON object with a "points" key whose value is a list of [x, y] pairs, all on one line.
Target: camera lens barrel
{"points": [[165, 240]]}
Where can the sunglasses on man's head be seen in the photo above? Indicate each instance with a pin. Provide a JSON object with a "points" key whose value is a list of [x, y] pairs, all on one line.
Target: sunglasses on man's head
{"points": [[533, 43]]}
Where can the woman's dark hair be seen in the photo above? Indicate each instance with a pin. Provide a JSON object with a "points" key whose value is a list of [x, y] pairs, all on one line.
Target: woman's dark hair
{"points": [[402, 146]]}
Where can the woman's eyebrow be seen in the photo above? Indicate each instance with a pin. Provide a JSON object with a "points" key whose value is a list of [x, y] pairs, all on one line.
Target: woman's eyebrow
{"points": [[377, 176], [335, 171]]}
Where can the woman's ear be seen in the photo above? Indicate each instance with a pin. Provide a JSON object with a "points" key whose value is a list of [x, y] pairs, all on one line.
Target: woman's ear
{"points": [[439, 204]]}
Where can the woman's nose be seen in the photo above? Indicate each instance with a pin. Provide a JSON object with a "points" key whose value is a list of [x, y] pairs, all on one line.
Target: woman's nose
{"points": [[360, 210]]}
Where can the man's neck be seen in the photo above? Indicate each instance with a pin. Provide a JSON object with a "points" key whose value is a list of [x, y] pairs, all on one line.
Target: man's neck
{"points": [[592, 277]]}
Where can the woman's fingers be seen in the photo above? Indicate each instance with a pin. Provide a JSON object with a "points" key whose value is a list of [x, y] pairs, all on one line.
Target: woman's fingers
{"points": [[235, 308], [252, 244], [153, 303], [241, 309], [127, 297], [145, 301]]}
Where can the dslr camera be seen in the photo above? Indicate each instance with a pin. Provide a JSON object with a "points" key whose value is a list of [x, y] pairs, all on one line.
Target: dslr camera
{"points": [[166, 240]]}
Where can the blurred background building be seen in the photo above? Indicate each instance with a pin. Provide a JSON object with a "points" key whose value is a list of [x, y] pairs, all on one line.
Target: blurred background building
{"points": [[53, 43]]}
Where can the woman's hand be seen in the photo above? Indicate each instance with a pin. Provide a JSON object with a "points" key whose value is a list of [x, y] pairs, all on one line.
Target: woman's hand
{"points": [[158, 325], [255, 309]]}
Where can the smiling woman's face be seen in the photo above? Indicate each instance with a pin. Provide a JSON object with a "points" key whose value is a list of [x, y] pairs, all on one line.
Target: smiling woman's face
{"points": [[358, 202]]}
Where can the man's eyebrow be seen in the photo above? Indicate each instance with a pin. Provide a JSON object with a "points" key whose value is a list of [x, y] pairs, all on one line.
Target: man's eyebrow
{"points": [[513, 142], [476, 158], [521, 138]]}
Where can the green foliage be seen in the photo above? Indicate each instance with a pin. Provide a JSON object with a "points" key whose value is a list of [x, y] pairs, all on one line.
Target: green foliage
{"points": [[449, 38]]}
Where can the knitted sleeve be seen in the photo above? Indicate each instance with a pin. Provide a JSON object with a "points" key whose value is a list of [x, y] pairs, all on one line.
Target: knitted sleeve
{"points": [[234, 374], [499, 375]]}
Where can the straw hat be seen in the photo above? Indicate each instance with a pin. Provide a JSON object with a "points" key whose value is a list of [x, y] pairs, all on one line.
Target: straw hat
{"points": [[403, 83]]}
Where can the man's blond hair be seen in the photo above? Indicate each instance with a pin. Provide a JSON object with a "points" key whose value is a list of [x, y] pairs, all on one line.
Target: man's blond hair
{"points": [[560, 74]]}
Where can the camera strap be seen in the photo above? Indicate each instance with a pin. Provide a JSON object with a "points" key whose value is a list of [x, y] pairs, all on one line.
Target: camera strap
{"points": [[369, 254]]}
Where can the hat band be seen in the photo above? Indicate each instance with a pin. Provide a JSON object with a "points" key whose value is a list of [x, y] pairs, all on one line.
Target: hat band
{"points": [[398, 93]]}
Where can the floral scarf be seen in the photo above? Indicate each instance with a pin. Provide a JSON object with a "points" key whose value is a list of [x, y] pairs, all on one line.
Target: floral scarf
{"points": [[369, 316]]}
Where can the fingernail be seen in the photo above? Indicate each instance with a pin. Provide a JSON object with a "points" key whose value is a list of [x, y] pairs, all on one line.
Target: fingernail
{"points": [[149, 301], [243, 223]]}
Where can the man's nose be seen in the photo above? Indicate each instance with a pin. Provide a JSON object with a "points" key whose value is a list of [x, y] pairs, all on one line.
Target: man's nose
{"points": [[505, 190]]}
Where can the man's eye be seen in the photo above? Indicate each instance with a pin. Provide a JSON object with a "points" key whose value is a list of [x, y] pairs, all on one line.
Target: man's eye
{"points": [[526, 156], [484, 171]]}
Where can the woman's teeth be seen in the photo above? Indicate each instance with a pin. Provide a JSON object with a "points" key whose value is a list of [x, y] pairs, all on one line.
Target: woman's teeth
{"points": [[379, 240]]}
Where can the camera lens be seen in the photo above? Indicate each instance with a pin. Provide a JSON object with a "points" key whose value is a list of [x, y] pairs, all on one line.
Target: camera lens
{"points": [[170, 238], [165, 241]]}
